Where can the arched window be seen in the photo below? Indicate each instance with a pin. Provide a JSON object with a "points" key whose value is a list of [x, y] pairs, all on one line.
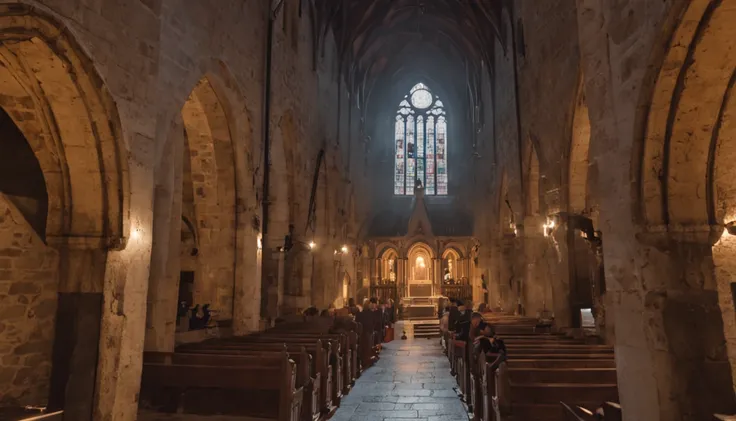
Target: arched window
{"points": [[421, 143]]}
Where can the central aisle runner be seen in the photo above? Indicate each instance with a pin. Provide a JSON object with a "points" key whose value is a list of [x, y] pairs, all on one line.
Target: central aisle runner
{"points": [[411, 381]]}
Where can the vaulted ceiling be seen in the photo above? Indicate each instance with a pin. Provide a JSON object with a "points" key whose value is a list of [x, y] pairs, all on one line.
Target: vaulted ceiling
{"points": [[380, 41]]}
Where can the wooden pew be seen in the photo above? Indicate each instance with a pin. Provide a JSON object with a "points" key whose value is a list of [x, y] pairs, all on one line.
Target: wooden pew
{"points": [[260, 391], [543, 369], [331, 346], [350, 341], [348, 349], [310, 404], [321, 370], [577, 413], [612, 412], [54, 416]]}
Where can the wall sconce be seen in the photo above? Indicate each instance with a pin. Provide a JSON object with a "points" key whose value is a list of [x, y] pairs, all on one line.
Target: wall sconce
{"points": [[344, 249], [259, 242], [312, 245], [549, 226]]}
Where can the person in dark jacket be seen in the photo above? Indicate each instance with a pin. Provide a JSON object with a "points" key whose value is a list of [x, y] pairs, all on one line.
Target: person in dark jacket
{"points": [[489, 344], [466, 327], [454, 314]]}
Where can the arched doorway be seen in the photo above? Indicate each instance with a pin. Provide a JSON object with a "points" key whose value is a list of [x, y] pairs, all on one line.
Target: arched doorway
{"points": [[63, 214]]}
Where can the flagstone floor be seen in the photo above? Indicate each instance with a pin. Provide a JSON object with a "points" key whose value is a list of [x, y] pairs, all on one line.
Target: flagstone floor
{"points": [[411, 381]]}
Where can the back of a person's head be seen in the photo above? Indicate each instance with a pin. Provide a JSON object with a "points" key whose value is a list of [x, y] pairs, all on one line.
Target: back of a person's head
{"points": [[311, 312], [476, 315], [351, 302], [460, 303], [374, 300]]}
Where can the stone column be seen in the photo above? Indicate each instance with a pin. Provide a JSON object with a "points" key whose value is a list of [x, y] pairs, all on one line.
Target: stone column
{"points": [[555, 270], [724, 252], [670, 346], [437, 278], [400, 276], [535, 295], [377, 275], [246, 315], [76, 346], [163, 288]]}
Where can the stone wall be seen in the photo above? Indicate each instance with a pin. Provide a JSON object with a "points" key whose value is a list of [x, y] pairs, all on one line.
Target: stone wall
{"points": [[28, 285]]}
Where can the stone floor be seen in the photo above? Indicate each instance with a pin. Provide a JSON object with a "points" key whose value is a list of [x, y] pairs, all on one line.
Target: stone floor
{"points": [[411, 381]]}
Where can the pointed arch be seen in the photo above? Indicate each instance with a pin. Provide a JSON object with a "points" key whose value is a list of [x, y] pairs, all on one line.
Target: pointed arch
{"points": [[579, 156]]}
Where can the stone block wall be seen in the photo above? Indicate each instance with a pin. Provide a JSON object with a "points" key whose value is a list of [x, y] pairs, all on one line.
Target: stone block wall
{"points": [[28, 286]]}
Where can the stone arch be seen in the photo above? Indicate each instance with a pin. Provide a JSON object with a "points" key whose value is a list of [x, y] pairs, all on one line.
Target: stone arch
{"points": [[579, 156], [58, 103], [389, 264], [386, 247], [456, 247], [48, 83], [683, 189], [214, 193], [684, 119], [455, 269]]}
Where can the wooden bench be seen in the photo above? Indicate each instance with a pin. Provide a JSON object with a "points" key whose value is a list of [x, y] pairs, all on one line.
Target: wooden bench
{"points": [[320, 369], [348, 349], [331, 346], [542, 370], [350, 341], [310, 385], [54, 416], [267, 392]]}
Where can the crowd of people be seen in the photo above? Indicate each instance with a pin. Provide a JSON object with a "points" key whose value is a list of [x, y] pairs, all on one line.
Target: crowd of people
{"points": [[468, 326], [378, 316]]}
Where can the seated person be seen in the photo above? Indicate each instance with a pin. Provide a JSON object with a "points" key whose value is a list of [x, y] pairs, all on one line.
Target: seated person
{"points": [[445, 320], [466, 325], [488, 343]]}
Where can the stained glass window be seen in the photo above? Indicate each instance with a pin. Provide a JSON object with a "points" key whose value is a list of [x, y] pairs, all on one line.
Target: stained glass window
{"points": [[421, 143]]}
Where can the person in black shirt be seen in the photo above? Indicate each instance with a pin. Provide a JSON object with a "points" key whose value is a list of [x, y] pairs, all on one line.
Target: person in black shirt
{"points": [[454, 314], [488, 343], [466, 324]]}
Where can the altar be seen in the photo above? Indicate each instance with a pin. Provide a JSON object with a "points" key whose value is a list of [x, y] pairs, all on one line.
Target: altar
{"points": [[426, 263]]}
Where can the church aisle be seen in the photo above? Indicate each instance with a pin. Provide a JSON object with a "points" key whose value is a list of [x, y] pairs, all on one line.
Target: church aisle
{"points": [[411, 381]]}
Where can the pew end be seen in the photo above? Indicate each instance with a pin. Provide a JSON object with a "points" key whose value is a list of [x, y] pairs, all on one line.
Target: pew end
{"points": [[577, 413]]}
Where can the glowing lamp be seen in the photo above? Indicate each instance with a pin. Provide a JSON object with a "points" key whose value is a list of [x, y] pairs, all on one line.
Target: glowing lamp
{"points": [[344, 249], [312, 245]]}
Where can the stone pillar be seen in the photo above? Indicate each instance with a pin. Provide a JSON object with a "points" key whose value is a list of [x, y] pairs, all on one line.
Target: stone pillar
{"points": [[535, 295], [724, 259], [246, 314], [555, 271], [437, 276], [400, 276], [377, 275], [670, 348], [163, 283], [76, 345]]}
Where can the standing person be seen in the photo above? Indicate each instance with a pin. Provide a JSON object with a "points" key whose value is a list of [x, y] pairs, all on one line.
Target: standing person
{"points": [[352, 307]]}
